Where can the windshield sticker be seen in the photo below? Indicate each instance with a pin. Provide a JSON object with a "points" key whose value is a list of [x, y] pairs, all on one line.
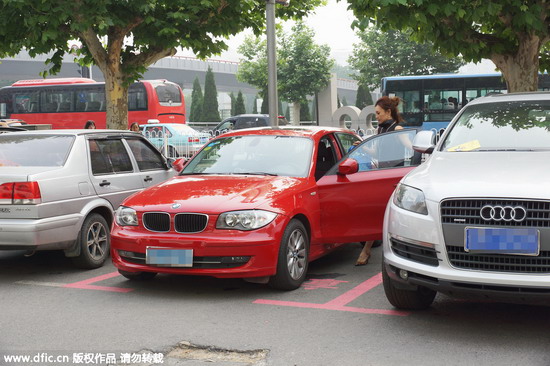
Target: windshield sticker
{"points": [[467, 146]]}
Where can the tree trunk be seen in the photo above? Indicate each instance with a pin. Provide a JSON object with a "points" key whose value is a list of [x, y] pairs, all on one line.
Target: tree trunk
{"points": [[521, 70], [117, 102], [296, 113]]}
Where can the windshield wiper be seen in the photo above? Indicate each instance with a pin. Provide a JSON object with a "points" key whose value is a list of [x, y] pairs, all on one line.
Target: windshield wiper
{"points": [[256, 173]]}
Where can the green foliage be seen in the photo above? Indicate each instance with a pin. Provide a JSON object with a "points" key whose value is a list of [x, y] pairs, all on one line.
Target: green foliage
{"points": [[305, 115], [210, 112], [264, 109], [343, 72], [124, 37], [303, 68], [344, 102], [361, 97], [233, 100], [392, 53], [509, 32], [196, 102], [239, 104]]}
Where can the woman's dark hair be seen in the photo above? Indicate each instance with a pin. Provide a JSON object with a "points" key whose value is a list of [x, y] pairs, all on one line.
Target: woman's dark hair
{"points": [[89, 124], [386, 103], [134, 124]]}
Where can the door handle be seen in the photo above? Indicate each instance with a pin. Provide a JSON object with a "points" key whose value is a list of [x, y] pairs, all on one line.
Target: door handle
{"points": [[104, 183], [148, 179]]}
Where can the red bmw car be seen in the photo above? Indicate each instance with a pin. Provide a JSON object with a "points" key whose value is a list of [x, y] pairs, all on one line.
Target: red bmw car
{"points": [[262, 203]]}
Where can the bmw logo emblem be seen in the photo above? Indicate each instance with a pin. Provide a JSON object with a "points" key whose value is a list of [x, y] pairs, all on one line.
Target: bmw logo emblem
{"points": [[176, 205]]}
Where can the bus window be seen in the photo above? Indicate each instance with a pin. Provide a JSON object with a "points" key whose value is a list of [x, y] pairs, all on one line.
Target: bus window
{"points": [[168, 94], [137, 97], [26, 102]]}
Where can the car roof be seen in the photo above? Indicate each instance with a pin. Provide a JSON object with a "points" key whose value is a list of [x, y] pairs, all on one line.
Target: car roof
{"points": [[76, 132], [300, 131], [511, 97]]}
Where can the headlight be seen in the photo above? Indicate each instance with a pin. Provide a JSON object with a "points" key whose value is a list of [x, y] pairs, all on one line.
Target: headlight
{"points": [[245, 220], [126, 216], [410, 199]]}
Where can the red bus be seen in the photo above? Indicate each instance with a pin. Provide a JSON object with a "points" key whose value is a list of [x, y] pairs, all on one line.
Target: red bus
{"points": [[70, 102]]}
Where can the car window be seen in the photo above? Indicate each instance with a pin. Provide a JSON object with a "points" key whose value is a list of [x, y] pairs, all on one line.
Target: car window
{"points": [[346, 140], [40, 150], [390, 150], [147, 157], [326, 157], [249, 122], [109, 156]]}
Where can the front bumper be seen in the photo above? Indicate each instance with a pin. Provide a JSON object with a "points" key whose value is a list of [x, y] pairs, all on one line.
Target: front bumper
{"points": [[414, 243], [236, 254]]}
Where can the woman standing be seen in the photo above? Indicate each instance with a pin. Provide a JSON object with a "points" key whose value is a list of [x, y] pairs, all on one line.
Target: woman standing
{"points": [[388, 118]]}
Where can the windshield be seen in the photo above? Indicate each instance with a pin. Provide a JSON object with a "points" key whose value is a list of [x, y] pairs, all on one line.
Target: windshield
{"points": [[511, 126], [25, 150], [269, 155]]}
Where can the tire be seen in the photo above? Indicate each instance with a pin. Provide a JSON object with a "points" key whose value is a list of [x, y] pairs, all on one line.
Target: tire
{"points": [[138, 276], [293, 258], [418, 299], [94, 240]]}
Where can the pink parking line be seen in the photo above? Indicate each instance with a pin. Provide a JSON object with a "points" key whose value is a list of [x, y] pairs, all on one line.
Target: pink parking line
{"points": [[86, 284], [339, 303]]}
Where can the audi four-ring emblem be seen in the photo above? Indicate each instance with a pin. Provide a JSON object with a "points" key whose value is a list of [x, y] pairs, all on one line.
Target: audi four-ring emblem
{"points": [[503, 213]]}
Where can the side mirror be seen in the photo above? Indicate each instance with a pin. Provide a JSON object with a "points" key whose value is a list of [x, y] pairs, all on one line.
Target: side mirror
{"points": [[348, 166], [424, 142], [178, 164]]}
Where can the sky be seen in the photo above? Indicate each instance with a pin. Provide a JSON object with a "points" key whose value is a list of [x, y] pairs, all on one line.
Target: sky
{"points": [[332, 26]]}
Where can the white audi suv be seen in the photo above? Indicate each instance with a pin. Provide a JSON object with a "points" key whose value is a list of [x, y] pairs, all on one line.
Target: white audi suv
{"points": [[474, 219]]}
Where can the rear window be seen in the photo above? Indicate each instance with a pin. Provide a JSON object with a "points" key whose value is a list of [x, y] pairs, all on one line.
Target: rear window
{"points": [[168, 94], [41, 150]]}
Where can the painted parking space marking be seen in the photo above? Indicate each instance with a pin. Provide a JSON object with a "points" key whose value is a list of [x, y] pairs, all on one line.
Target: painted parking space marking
{"points": [[87, 284], [340, 303], [83, 285], [317, 283], [38, 283]]}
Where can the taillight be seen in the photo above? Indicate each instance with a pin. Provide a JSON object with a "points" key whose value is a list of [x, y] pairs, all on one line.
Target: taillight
{"points": [[6, 193], [20, 193], [193, 139]]}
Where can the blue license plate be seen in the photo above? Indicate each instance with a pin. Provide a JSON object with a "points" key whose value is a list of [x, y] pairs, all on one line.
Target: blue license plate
{"points": [[519, 241], [164, 257]]}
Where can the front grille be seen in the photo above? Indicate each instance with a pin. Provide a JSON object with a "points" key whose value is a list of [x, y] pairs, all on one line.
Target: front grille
{"points": [[156, 221], [198, 262], [499, 262], [414, 252], [467, 212], [190, 222]]}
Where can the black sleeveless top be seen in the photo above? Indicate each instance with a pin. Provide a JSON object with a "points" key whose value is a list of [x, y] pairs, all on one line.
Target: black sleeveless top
{"points": [[386, 126]]}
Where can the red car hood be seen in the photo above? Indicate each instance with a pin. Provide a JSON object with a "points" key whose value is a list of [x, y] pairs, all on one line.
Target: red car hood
{"points": [[213, 194]]}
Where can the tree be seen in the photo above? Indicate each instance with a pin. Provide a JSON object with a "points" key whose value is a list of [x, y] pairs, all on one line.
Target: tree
{"points": [[239, 104], [210, 112], [233, 100], [304, 112], [363, 97], [512, 33], [124, 37], [391, 53], [196, 102], [344, 102], [305, 67]]}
